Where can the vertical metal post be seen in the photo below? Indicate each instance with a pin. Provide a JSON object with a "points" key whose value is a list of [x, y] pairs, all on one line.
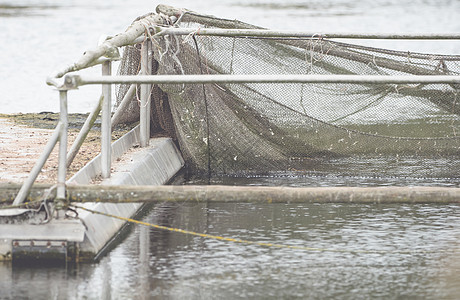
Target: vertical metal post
{"points": [[146, 69], [62, 166], [106, 128]]}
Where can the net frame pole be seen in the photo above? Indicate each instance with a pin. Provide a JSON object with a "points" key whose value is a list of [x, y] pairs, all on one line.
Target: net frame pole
{"points": [[73, 81], [89, 122], [62, 165], [124, 104], [160, 31], [144, 114], [106, 128]]}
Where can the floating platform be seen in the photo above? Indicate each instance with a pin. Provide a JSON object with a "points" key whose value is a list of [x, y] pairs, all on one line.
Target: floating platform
{"points": [[82, 236]]}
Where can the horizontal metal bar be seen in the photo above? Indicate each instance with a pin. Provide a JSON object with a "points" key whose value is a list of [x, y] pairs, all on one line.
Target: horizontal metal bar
{"points": [[252, 194], [73, 81], [303, 34], [241, 194]]}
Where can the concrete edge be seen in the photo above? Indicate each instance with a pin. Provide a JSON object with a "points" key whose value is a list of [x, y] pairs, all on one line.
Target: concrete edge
{"points": [[153, 165], [93, 168]]}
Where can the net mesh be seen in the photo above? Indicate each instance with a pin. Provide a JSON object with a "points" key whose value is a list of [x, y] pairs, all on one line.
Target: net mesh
{"points": [[406, 130]]}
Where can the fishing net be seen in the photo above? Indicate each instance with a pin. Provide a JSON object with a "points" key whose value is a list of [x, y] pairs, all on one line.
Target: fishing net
{"points": [[347, 129]]}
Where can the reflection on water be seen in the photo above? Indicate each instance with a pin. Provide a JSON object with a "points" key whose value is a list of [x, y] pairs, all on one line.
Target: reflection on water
{"points": [[294, 179], [357, 170], [156, 264]]}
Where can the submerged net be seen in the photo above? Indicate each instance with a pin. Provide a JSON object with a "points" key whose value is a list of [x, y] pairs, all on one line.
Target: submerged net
{"points": [[398, 130]]}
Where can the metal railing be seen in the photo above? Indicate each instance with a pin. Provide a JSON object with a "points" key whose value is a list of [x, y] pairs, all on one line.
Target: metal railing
{"points": [[161, 31], [104, 104], [139, 35]]}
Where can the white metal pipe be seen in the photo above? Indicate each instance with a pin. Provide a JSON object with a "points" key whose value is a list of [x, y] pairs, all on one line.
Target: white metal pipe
{"points": [[62, 166], [160, 31], [89, 122], [149, 89], [121, 109], [78, 80], [145, 96], [304, 34], [25, 188], [106, 128]]}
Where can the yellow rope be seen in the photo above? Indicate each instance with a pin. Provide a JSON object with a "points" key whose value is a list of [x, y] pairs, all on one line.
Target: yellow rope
{"points": [[228, 239]]}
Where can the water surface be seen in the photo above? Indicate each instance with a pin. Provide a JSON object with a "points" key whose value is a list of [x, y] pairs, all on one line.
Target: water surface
{"points": [[38, 37], [414, 259]]}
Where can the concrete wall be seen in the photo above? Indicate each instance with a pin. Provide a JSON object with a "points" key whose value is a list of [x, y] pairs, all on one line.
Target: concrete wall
{"points": [[152, 165]]}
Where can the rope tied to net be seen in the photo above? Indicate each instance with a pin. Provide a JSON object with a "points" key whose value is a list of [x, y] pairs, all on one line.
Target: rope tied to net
{"points": [[189, 38], [314, 40]]}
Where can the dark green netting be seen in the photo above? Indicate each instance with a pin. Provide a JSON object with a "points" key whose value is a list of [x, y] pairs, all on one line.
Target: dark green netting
{"points": [[352, 129]]}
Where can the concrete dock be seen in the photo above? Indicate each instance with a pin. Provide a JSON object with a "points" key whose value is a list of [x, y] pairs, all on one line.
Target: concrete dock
{"points": [[82, 236]]}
